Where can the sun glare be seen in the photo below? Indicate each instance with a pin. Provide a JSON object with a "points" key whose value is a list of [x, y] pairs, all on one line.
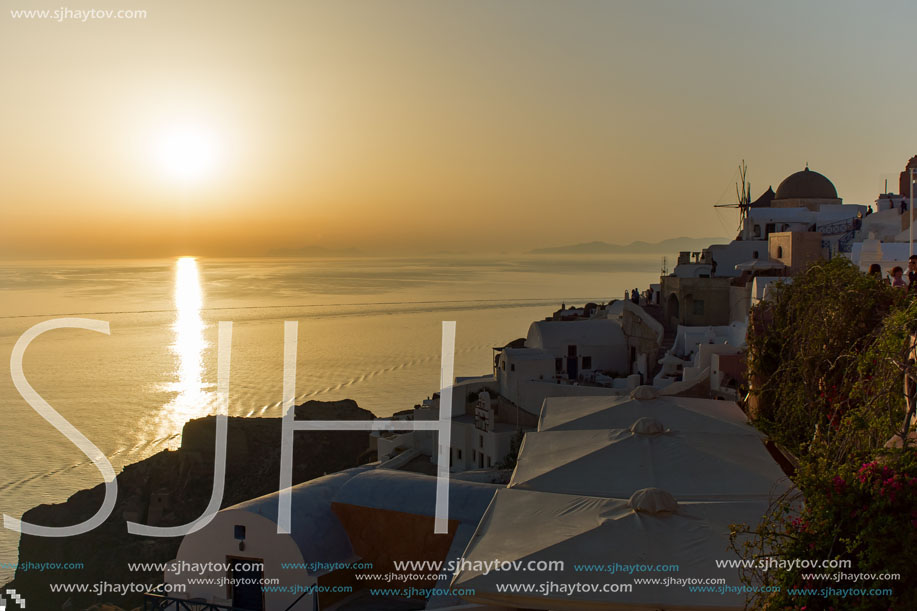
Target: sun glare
{"points": [[192, 398], [187, 153]]}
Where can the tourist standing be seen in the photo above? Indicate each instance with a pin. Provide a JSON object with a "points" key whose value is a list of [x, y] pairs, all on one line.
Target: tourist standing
{"points": [[897, 277]]}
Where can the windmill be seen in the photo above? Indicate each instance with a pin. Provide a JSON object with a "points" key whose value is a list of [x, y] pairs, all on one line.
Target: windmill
{"points": [[743, 196]]}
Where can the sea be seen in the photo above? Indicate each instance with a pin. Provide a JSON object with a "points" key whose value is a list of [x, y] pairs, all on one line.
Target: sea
{"points": [[369, 330]]}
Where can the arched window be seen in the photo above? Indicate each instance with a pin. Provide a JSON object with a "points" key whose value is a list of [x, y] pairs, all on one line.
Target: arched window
{"points": [[780, 252]]}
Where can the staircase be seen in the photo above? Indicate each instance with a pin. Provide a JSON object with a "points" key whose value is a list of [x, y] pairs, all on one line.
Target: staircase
{"points": [[668, 337], [668, 340]]}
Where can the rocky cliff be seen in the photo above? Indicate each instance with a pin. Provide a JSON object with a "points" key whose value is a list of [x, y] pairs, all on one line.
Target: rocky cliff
{"points": [[172, 488]]}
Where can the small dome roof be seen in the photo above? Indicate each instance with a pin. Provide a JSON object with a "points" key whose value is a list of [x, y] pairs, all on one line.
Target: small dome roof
{"points": [[647, 426], [806, 185], [644, 393], [653, 501]]}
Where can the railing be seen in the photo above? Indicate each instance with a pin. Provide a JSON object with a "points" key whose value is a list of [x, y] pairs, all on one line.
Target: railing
{"points": [[845, 244], [837, 227], [158, 602]]}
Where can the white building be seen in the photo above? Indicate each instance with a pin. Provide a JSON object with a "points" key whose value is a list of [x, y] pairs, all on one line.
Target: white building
{"points": [[886, 254], [581, 347], [693, 356], [606, 355], [356, 517], [245, 535], [516, 367], [480, 441], [885, 235], [482, 429]]}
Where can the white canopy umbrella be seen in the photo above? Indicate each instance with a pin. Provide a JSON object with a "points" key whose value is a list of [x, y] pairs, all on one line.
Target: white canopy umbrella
{"points": [[614, 463], [532, 526], [681, 414], [756, 265]]}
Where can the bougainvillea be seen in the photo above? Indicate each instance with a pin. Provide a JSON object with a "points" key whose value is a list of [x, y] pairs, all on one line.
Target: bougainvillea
{"points": [[865, 514], [828, 358]]}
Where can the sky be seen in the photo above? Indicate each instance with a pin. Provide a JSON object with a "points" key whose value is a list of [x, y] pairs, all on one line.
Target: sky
{"points": [[236, 128]]}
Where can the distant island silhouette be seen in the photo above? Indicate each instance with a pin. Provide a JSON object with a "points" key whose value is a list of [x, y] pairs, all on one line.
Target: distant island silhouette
{"points": [[670, 245], [639, 247]]}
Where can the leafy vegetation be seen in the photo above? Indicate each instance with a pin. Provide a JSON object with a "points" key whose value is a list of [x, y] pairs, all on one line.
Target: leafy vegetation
{"points": [[830, 367], [827, 351]]}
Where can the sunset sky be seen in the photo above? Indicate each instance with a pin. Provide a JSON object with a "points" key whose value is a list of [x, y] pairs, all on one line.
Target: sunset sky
{"points": [[233, 128]]}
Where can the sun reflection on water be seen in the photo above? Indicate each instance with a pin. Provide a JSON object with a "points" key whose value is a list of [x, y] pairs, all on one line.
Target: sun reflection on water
{"points": [[192, 398]]}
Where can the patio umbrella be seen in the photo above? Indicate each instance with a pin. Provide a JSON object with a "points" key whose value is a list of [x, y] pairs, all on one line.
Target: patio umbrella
{"points": [[614, 463], [681, 414], [756, 265], [529, 526]]}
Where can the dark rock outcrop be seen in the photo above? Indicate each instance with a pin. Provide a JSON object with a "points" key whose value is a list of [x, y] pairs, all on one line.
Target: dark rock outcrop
{"points": [[172, 488]]}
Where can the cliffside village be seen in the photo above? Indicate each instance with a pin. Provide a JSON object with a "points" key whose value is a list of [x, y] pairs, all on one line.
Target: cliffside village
{"points": [[610, 433], [686, 333]]}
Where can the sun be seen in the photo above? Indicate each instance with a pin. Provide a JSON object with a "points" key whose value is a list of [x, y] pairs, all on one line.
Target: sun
{"points": [[187, 153]]}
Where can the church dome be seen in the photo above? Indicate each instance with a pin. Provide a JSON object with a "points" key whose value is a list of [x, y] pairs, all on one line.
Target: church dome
{"points": [[806, 185]]}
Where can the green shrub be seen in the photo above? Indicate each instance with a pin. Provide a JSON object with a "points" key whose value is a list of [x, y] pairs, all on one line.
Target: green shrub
{"points": [[827, 361], [861, 512], [811, 348]]}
